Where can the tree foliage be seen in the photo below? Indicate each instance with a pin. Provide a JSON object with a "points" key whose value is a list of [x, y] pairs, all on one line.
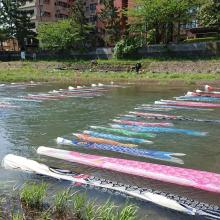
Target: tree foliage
{"points": [[84, 33], [58, 35], [163, 16], [3, 37], [15, 22], [72, 33], [126, 47], [110, 18], [209, 13]]}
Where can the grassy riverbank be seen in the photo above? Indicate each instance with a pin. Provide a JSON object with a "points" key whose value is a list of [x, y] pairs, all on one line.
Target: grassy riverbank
{"points": [[189, 71], [31, 202]]}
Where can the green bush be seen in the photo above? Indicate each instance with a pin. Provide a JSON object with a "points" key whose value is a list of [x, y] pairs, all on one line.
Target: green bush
{"points": [[126, 47], [203, 39], [151, 35]]}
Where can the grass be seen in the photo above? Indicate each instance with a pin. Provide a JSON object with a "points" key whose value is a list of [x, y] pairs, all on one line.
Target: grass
{"points": [[30, 204], [28, 74], [128, 213], [17, 216], [43, 71], [106, 211], [79, 200], [32, 195], [45, 215], [88, 210], [61, 201]]}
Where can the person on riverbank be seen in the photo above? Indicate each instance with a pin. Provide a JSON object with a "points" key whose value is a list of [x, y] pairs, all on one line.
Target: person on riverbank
{"points": [[137, 67], [34, 56], [22, 55]]}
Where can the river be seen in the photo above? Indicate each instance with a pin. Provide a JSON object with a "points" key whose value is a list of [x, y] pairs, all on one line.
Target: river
{"points": [[34, 124]]}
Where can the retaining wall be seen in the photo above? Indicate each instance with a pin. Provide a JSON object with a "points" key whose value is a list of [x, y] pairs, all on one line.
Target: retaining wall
{"points": [[179, 50]]}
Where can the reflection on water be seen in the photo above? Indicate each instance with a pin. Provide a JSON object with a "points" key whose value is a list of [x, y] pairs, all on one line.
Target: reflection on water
{"points": [[23, 130]]}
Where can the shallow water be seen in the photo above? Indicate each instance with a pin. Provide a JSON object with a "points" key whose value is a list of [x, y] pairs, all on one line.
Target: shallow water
{"points": [[23, 129]]}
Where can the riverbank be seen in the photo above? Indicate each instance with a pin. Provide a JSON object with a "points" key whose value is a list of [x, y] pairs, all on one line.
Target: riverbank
{"points": [[153, 70], [31, 202]]}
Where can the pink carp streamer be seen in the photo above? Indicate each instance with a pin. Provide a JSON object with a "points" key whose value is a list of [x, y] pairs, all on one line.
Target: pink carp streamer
{"points": [[139, 123], [153, 115], [186, 103], [182, 176]]}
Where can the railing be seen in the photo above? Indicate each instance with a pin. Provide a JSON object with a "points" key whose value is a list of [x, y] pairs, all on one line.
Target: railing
{"points": [[28, 5]]}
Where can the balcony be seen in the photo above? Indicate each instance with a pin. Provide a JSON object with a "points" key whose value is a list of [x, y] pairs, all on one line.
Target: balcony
{"points": [[62, 4], [61, 16], [64, 1], [44, 2], [28, 5]]}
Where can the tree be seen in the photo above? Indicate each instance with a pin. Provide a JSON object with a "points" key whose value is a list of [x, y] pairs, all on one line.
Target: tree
{"points": [[15, 21], [56, 36], [110, 19], [84, 33], [3, 37], [72, 33], [209, 13], [162, 17]]}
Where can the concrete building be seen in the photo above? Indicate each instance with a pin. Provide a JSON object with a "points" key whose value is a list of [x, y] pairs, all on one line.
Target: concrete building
{"points": [[53, 10], [47, 10], [91, 10]]}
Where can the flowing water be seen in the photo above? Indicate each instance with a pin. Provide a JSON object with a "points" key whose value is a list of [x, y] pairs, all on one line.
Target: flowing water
{"points": [[33, 124]]}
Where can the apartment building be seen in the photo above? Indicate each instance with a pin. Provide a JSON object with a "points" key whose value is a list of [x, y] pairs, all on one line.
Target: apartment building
{"points": [[53, 10], [90, 10], [47, 10]]}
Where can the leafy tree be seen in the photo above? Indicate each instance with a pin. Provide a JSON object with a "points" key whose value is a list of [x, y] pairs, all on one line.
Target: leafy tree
{"points": [[110, 19], [3, 37], [209, 13], [56, 35], [84, 33], [126, 47], [72, 33], [15, 21], [163, 17]]}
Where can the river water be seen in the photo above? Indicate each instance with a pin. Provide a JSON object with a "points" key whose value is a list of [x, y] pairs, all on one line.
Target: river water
{"points": [[34, 124]]}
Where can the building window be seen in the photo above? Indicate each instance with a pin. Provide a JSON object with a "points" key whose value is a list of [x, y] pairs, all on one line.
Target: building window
{"points": [[192, 24], [93, 19], [62, 4], [59, 15], [93, 7], [46, 14], [87, 9], [46, 1]]}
